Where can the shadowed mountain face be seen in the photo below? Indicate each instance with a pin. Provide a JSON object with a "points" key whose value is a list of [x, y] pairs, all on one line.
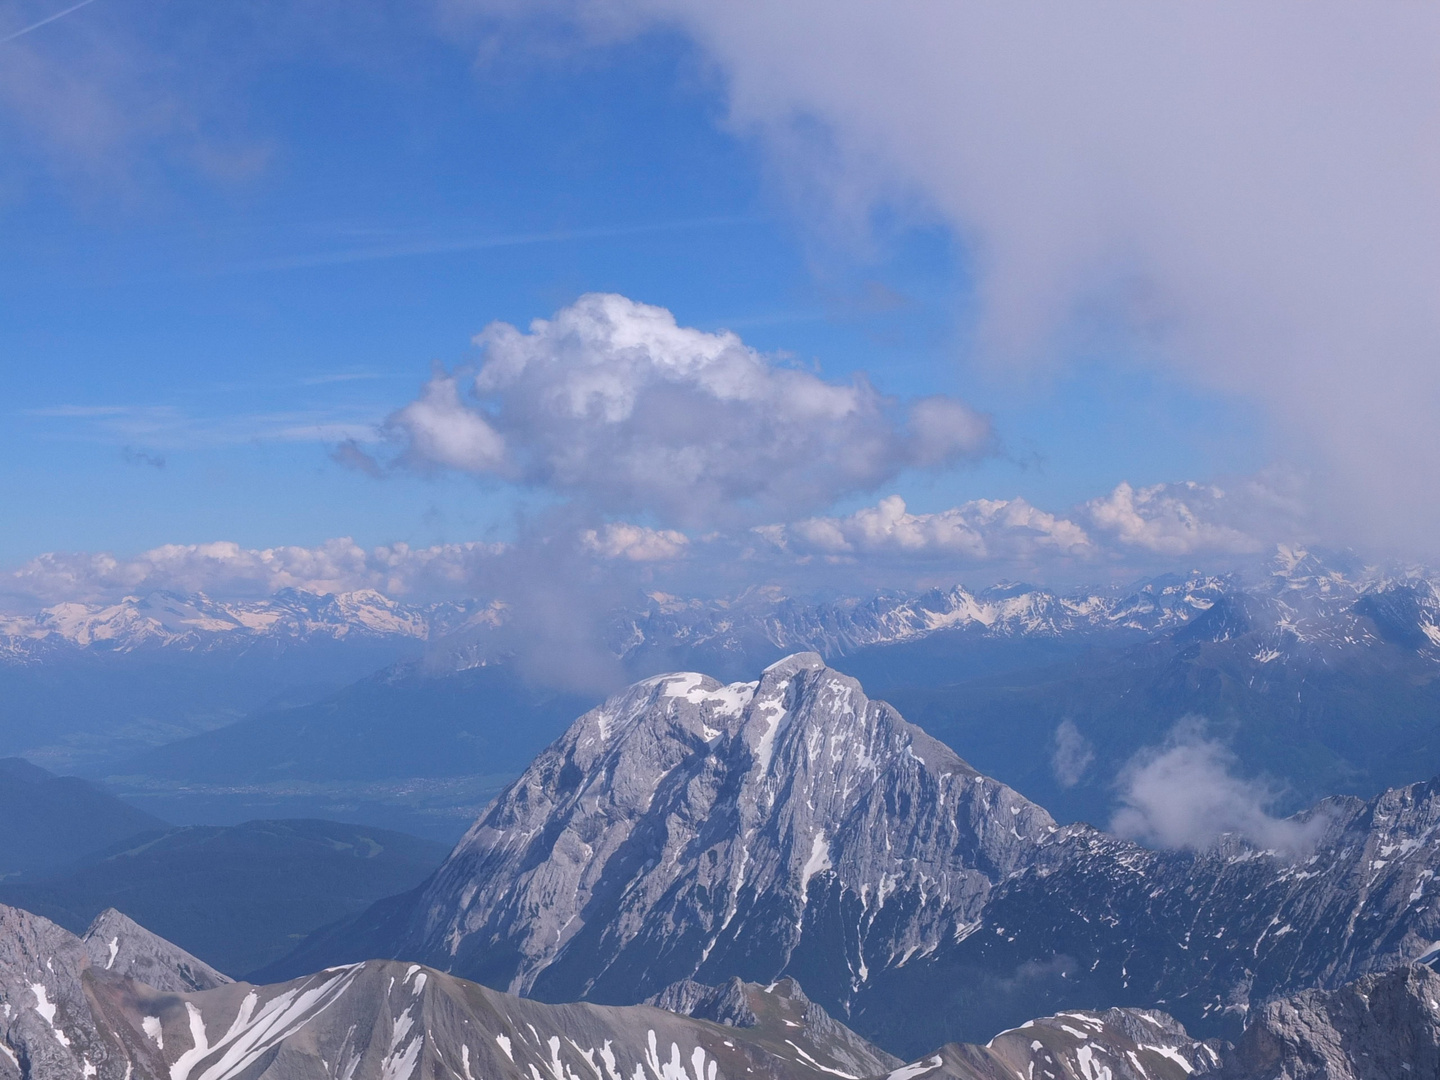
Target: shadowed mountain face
{"points": [[239, 896], [53, 820], [793, 827]]}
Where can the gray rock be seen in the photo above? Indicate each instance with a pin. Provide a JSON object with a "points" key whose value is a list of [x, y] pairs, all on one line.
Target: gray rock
{"points": [[48, 1030], [777, 1006], [1380, 1027], [63, 1017], [686, 829], [1121, 1044], [115, 942]]}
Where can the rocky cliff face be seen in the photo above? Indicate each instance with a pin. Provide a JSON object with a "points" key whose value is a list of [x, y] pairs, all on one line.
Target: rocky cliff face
{"points": [[65, 1015], [1377, 1028], [68, 1012], [51, 1025], [686, 829], [792, 827], [115, 942]]}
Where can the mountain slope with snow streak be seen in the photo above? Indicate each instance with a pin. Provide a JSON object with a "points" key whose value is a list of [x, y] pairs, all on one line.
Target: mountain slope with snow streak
{"points": [[792, 827]]}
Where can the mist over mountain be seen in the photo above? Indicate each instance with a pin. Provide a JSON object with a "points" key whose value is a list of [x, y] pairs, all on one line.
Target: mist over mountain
{"points": [[1312, 675]]}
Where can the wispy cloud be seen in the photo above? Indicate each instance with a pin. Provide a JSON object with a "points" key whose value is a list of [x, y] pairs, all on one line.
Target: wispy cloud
{"points": [[171, 427], [44, 22], [434, 245], [1185, 794]]}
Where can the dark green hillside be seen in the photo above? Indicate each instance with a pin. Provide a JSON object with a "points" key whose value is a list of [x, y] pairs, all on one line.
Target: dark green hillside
{"points": [[50, 820], [238, 897]]}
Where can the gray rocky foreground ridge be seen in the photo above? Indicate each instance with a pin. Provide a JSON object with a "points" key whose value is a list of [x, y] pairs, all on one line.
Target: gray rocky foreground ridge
{"points": [[65, 1015], [793, 827]]}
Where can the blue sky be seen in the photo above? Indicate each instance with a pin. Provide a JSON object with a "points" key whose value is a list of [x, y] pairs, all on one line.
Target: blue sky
{"points": [[308, 212]]}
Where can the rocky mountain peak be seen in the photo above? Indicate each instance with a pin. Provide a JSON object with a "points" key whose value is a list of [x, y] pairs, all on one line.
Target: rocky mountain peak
{"points": [[116, 943], [685, 826]]}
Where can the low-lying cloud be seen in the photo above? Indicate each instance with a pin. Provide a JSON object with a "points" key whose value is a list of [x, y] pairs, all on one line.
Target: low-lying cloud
{"points": [[1126, 532], [1125, 525], [610, 403], [1073, 754], [1186, 795], [228, 570]]}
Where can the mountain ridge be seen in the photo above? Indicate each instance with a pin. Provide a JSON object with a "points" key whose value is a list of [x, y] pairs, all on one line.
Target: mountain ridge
{"points": [[792, 827]]}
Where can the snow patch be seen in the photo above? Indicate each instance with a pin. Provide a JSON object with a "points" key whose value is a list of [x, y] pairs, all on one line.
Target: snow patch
{"points": [[819, 859], [918, 1068], [1171, 1053], [46, 1008]]}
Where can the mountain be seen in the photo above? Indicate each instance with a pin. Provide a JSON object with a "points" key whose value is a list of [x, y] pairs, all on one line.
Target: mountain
{"points": [[792, 827], [1320, 675], [241, 896], [52, 820], [177, 621], [72, 1008], [117, 943]]}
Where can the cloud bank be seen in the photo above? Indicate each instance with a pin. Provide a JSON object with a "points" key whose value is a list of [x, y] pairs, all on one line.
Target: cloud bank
{"points": [[610, 403], [1126, 532], [227, 570], [1128, 525]]}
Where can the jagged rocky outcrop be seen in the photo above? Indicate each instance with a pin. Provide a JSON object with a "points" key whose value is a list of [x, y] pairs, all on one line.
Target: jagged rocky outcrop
{"points": [[1119, 1044], [66, 1015], [1377, 1028], [779, 1006], [51, 1025], [793, 827], [686, 829], [115, 942]]}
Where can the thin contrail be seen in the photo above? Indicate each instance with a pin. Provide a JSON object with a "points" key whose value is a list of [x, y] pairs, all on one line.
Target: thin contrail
{"points": [[45, 21], [479, 243]]}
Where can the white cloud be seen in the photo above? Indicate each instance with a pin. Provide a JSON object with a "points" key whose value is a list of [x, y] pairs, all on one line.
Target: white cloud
{"points": [[1126, 525], [637, 543], [1243, 188], [1073, 754], [1184, 795], [226, 569], [1169, 519], [443, 431], [612, 403], [980, 531]]}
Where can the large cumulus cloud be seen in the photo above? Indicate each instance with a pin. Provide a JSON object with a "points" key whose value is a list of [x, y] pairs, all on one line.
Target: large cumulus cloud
{"points": [[612, 404], [1244, 190]]}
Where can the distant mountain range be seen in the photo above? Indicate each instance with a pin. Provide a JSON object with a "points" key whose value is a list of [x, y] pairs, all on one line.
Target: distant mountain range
{"points": [[50, 821], [1319, 674], [687, 829], [1301, 597], [241, 896]]}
